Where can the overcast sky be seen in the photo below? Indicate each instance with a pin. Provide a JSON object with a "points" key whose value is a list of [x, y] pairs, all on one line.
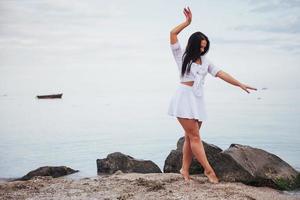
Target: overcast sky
{"points": [[67, 45]]}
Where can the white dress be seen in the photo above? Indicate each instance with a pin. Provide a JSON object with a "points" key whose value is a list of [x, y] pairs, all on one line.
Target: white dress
{"points": [[188, 101]]}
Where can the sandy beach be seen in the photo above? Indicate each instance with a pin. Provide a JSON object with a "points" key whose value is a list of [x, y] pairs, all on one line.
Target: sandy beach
{"points": [[135, 186]]}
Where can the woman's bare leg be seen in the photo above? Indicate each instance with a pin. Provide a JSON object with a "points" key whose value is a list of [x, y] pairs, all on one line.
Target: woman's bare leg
{"points": [[192, 127], [186, 158]]}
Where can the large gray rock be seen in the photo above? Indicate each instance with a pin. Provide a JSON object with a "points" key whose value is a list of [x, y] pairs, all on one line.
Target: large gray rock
{"points": [[119, 161], [257, 167], [53, 171], [173, 162], [240, 163]]}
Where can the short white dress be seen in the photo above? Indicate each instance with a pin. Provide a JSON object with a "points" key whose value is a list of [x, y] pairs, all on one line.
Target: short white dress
{"points": [[188, 101]]}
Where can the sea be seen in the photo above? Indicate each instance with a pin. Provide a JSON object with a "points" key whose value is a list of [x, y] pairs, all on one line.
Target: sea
{"points": [[79, 128]]}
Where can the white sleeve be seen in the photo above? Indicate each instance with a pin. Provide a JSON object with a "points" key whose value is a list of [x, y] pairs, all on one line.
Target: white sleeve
{"points": [[177, 53], [212, 68]]}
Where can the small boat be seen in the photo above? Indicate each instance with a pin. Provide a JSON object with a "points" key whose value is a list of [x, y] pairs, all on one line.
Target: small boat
{"points": [[51, 96]]}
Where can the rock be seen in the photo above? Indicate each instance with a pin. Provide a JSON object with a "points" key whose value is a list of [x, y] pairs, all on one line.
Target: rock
{"points": [[240, 163], [119, 161], [118, 172], [173, 161], [53, 171], [257, 167]]}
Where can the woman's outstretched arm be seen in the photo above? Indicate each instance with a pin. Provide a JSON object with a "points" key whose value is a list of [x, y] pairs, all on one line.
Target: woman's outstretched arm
{"points": [[229, 79], [175, 31]]}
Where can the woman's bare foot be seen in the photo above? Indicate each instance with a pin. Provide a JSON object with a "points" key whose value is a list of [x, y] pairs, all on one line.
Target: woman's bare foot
{"points": [[211, 176], [185, 175]]}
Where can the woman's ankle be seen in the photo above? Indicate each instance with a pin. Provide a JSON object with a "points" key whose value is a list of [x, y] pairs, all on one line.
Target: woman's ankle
{"points": [[210, 171], [184, 169]]}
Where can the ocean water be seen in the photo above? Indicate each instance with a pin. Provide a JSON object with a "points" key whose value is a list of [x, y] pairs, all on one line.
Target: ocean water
{"points": [[80, 128]]}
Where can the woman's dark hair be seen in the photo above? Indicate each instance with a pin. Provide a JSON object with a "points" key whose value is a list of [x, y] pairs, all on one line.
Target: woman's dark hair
{"points": [[192, 51]]}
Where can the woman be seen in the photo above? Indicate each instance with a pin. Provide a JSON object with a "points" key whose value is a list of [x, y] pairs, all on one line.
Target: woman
{"points": [[188, 104]]}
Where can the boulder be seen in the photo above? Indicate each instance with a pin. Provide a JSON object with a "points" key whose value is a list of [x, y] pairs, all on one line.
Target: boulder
{"points": [[53, 171], [173, 161], [257, 167], [119, 161], [240, 163]]}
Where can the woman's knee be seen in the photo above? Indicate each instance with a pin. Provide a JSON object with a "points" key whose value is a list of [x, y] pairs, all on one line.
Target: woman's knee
{"points": [[193, 135], [186, 139], [190, 127]]}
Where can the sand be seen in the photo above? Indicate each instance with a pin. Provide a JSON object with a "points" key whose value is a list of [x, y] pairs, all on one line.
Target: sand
{"points": [[123, 186]]}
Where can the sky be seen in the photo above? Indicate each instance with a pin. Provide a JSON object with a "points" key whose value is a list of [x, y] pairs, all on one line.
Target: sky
{"points": [[75, 46]]}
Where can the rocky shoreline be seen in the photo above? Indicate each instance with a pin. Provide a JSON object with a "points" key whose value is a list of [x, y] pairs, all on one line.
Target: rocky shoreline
{"points": [[124, 186], [244, 172]]}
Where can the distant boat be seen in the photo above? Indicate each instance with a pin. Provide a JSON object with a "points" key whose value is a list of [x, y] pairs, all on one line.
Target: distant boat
{"points": [[51, 96]]}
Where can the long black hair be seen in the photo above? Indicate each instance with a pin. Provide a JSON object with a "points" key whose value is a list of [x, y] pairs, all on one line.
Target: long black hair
{"points": [[192, 51]]}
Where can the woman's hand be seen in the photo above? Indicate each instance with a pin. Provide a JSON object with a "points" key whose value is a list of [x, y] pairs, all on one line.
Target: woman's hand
{"points": [[188, 14], [245, 87], [175, 31]]}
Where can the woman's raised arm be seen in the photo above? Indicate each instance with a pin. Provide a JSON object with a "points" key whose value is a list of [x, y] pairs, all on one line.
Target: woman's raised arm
{"points": [[175, 31]]}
